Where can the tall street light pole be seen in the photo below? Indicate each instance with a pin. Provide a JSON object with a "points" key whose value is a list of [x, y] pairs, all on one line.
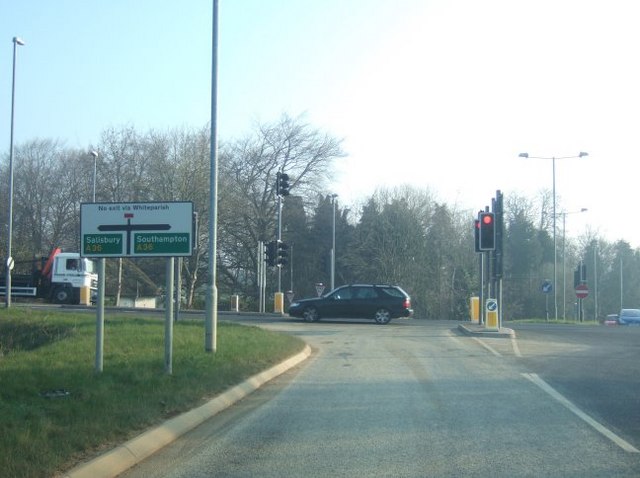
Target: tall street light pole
{"points": [[9, 264], [95, 170], [211, 317], [333, 244], [555, 250]]}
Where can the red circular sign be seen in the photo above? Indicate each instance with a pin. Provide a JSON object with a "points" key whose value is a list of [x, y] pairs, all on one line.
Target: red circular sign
{"points": [[582, 291]]}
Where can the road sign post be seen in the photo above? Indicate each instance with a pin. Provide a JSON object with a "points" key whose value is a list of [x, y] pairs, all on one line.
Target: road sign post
{"points": [[547, 288], [582, 291], [136, 229], [492, 315]]}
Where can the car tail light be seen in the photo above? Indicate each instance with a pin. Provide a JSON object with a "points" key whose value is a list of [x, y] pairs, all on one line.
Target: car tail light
{"points": [[407, 303]]}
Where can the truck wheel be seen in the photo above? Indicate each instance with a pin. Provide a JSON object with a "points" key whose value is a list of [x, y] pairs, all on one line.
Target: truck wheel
{"points": [[61, 295]]}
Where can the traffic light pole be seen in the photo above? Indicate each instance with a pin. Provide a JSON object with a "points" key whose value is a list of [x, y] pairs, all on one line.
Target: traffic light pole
{"points": [[279, 238]]}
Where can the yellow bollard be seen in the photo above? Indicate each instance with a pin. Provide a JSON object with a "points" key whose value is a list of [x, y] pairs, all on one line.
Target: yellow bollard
{"points": [[278, 303], [474, 310], [85, 295]]}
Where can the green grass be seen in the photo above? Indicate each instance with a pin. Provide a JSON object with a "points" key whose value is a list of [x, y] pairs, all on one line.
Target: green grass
{"points": [[44, 351]]}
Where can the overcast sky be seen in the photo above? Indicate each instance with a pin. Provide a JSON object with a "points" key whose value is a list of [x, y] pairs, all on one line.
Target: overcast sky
{"points": [[441, 94]]}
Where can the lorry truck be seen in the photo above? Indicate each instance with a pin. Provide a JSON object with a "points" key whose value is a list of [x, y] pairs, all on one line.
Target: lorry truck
{"points": [[61, 278]]}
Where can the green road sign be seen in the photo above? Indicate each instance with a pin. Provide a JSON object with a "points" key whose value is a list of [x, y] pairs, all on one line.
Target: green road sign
{"points": [[102, 244], [137, 229], [161, 243]]}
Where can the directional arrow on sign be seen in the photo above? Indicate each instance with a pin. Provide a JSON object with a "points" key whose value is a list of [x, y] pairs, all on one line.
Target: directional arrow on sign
{"points": [[128, 227]]}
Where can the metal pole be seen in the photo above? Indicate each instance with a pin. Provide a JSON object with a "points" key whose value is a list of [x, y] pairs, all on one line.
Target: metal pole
{"points": [[621, 284], [95, 171], [555, 251], [595, 279], [279, 238], [259, 274], [482, 294], [9, 263], [564, 266], [333, 245], [168, 317], [211, 319], [100, 315], [291, 267], [178, 288]]}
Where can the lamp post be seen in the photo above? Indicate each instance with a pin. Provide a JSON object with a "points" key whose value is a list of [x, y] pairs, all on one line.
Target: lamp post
{"points": [[95, 170], [595, 279], [555, 252], [9, 264], [333, 244], [564, 260]]}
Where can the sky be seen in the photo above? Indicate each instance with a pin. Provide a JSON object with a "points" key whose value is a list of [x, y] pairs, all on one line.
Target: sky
{"points": [[439, 94]]}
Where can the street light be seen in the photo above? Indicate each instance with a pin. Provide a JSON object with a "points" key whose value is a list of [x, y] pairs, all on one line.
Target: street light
{"points": [[9, 264], [333, 244], [564, 260], [555, 254], [95, 170]]}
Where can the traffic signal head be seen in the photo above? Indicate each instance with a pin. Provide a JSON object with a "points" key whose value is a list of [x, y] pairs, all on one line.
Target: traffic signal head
{"points": [[282, 184], [487, 231], [271, 251], [282, 254]]}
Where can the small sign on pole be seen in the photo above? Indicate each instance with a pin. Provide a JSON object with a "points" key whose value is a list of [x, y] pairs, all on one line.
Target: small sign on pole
{"points": [[492, 315], [582, 291]]}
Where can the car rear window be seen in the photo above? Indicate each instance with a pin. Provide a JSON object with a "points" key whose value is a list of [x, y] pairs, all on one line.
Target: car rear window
{"points": [[393, 292]]}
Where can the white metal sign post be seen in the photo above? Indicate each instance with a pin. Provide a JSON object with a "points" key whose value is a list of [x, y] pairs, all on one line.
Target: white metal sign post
{"points": [[136, 229]]}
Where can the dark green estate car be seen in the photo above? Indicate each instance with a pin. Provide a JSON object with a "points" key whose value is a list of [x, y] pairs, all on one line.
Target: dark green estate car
{"points": [[363, 301]]}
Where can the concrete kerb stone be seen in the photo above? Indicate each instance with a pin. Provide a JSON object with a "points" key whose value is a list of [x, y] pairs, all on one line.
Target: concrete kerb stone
{"points": [[123, 457], [480, 331]]}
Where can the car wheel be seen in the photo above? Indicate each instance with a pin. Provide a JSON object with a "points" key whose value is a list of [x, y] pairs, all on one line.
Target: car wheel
{"points": [[382, 316], [310, 314]]}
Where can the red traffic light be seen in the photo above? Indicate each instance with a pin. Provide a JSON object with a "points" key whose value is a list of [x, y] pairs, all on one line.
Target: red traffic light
{"points": [[487, 232]]}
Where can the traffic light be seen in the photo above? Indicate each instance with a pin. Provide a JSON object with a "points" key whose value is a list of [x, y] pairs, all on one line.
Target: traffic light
{"points": [[282, 254], [487, 232], [271, 251], [282, 184]]}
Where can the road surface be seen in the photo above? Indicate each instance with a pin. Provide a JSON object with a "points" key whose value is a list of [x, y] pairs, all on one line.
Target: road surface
{"points": [[410, 399]]}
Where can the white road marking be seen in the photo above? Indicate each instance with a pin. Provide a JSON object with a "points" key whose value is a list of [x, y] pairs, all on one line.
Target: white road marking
{"points": [[488, 347], [516, 349], [622, 443]]}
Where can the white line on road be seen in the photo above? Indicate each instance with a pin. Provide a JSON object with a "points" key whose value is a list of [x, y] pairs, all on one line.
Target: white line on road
{"points": [[516, 349], [622, 443], [488, 347]]}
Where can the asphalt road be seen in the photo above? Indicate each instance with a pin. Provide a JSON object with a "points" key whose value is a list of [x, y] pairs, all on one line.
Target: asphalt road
{"points": [[598, 368], [416, 399]]}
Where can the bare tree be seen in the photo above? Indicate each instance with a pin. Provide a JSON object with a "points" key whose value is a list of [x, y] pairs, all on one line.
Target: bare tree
{"points": [[248, 169]]}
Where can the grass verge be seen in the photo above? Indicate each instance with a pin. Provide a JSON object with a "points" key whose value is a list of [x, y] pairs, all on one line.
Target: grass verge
{"points": [[55, 411]]}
